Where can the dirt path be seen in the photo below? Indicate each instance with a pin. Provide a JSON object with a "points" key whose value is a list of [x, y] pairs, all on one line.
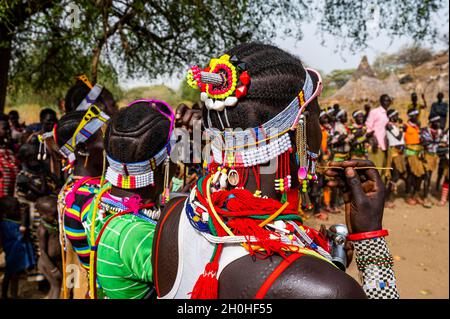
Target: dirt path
{"points": [[419, 242]]}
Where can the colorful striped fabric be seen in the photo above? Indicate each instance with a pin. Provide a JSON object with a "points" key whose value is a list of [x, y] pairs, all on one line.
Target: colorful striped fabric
{"points": [[124, 269], [73, 212]]}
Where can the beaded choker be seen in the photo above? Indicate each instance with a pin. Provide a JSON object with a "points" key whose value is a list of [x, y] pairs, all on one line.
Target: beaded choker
{"points": [[141, 174], [135, 175], [255, 146]]}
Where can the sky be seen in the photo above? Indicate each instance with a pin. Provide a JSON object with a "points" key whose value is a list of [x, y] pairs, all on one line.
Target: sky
{"points": [[324, 56]]}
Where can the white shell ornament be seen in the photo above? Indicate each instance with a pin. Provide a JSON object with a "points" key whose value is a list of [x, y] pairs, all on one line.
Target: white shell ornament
{"points": [[203, 96], [233, 177], [231, 101], [209, 103], [218, 105]]}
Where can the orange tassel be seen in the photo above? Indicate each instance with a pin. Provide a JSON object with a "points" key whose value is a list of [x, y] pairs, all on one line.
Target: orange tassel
{"points": [[207, 285]]}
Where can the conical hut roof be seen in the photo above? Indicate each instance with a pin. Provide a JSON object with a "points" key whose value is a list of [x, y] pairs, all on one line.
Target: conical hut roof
{"points": [[363, 69], [394, 89], [364, 87]]}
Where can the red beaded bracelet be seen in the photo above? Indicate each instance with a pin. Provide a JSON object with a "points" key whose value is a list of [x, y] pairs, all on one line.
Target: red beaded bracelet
{"points": [[368, 235]]}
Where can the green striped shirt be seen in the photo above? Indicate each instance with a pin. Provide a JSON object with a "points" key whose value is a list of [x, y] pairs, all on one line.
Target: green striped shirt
{"points": [[124, 269]]}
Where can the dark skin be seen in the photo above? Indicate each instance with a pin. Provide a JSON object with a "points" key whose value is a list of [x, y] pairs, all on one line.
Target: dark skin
{"points": [[413, 181], [93, 147], [50, 258], [48, 122], [427, 179], [385, 102], [5, 134], [393, 119], [92, 164], [415, 99], [30, 163], [342, 119], [364, 197]]}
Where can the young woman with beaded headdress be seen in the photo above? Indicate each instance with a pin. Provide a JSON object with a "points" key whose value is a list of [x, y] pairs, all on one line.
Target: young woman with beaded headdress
{"points": [[238, 234], [79, 138], [126, 209]]}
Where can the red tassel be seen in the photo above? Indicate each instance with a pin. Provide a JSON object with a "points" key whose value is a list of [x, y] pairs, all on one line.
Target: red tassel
{"points": [[207, 285]]}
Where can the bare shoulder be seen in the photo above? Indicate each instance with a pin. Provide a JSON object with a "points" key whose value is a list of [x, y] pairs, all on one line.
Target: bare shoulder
{"points": [[306, 278]]}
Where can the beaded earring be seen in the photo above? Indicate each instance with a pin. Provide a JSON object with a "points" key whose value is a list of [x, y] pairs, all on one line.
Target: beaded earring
{"points": [[300, 139]]}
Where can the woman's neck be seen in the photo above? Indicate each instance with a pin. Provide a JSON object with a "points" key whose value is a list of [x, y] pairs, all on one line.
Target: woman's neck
{"points": [[81, 170]]}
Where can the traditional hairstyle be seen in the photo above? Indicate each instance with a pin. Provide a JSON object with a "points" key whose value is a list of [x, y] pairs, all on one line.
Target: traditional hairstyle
{"points": [[391, 113], [45, 112], [276, 79], [356, 113], [67, 125], [78, 92], [136, 133], [75, 95], [340, 114]]}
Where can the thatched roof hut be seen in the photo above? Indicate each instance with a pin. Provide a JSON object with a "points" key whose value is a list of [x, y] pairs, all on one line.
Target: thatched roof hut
{"points": [[364, 87]]}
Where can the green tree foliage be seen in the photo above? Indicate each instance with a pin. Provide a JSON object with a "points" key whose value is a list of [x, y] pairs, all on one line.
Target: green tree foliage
{"points": [[413, 55], [335, 80], [43, 46]]}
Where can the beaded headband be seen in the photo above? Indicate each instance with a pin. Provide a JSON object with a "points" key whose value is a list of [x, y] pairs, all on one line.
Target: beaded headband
{"points": [[282, 123], [434, 119], [413, 112], [393, 113], [90, 98], [340, 113], [356, 113], [92, 121], [141, 174]]}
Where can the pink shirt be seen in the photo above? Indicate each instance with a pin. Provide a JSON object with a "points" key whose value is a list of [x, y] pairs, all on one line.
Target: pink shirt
{"points": [[376, 122]]}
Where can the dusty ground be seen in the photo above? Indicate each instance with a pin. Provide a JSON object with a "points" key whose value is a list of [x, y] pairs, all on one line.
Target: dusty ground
{"points": [[419, 242]]}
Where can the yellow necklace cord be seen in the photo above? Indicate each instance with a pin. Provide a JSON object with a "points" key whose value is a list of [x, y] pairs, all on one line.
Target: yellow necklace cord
{"points": [[213, 210], [255, 143], [274, 215], [63, 254], [92, 286], [254, 247], [102, 180]]}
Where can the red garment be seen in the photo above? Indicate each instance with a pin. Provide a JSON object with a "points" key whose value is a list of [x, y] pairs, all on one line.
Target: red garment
{"points": [[9, 168]]}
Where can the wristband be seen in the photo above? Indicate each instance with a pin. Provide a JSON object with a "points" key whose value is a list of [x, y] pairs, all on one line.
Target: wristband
{"points": [[368, 235]]}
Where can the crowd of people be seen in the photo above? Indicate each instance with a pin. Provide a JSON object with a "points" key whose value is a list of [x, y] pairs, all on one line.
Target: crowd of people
{"points": [[404, 151], [88, 193]]}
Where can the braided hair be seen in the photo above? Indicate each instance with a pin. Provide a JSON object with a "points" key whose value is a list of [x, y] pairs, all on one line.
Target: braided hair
{"points": [[76, 94], [136, 133], [277, 78]]}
